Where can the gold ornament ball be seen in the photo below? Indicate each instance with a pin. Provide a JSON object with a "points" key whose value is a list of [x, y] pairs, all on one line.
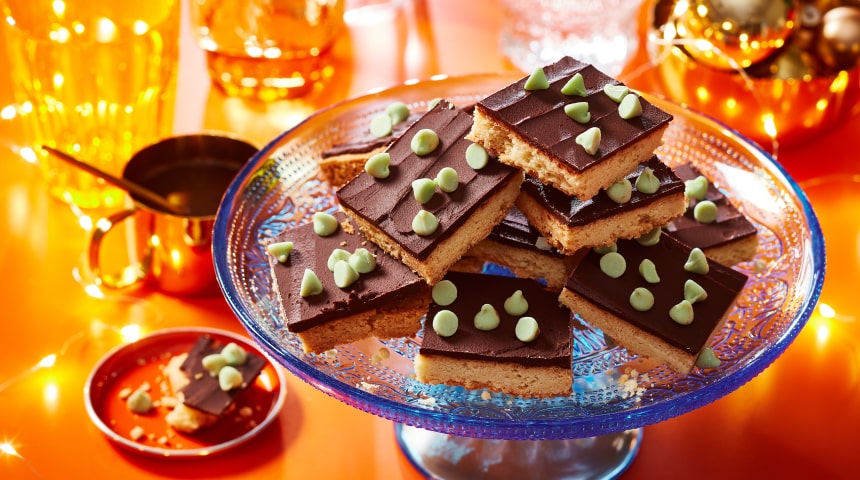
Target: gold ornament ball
{"points": [[792, 62], [839, 43], [811, 12], [788, 95], [731, 34]]}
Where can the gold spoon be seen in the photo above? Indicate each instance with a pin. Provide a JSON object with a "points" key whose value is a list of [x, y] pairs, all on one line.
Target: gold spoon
{"points": [[122, 183]]}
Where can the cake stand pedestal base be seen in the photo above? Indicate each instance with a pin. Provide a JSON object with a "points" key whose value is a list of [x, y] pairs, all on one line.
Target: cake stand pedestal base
{"points": [[451, 457]]}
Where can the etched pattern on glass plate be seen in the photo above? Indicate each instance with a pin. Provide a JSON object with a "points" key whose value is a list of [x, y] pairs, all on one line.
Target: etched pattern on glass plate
{"points": [[613, 390]]}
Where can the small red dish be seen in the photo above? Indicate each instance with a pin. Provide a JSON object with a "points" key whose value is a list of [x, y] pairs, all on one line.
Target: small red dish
{"points": [[130, 365]]}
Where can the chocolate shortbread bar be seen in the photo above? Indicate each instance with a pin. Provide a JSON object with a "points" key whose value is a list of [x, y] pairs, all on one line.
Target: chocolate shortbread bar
{"points": [[387, 301], [570, 223], [725, 235], [531, 130], [663, 301], [492, 354], [459, 204]]}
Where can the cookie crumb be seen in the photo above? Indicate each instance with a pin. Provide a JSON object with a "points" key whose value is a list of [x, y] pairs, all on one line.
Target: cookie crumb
{"points": [[368, 387], [136, 433], [379, 356], [125, 393], [169, 401]]}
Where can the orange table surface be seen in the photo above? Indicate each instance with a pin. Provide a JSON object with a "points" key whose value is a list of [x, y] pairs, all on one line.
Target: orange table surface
{"points": [[796, 419]]}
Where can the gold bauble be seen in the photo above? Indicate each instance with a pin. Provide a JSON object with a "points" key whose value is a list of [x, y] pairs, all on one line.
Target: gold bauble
{"points": [[789, 95], [811, 12], [731, 34], [792, 62], [839, 41]]}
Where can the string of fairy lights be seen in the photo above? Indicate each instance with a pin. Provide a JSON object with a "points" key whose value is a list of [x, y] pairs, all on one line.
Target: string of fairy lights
{"points": [[141, 315]]}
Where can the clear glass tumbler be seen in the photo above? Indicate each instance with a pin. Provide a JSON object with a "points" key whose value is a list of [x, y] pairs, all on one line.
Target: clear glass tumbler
{"points": [[267, 49], [600, 32]]}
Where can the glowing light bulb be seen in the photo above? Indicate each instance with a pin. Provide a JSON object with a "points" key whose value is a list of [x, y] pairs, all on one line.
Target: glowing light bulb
{"points": [[769, 125], [28, 154], [130, 333], [680, 7], [51, 395], [8, 112], [60, 35], [9, 449], [94, 291], [670, 33], [104, 224], [86, 222], [826, 310], [840, 83], [822, 333], [106, 30], [176, 257], [48, 361], [59, 7], [140, 27]]}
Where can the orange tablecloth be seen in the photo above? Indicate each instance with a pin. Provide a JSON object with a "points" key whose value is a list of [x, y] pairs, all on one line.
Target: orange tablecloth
{"points": [[797, 419]]}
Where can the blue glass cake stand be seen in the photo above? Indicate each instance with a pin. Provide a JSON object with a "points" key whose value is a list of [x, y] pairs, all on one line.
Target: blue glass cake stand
{"points": [[450, 432]]}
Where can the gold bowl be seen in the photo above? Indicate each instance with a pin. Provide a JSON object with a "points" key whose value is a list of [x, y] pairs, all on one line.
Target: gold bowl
{"points": [[788, 97]]}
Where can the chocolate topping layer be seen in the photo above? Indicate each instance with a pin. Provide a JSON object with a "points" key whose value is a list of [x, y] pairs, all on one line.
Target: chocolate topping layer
{"points": [[515, 230], [203, 391], [389, 203], [722, 285], [574, 212], [368, 142], [730, 225], [552, 347], [538, 115], [386, 284]]}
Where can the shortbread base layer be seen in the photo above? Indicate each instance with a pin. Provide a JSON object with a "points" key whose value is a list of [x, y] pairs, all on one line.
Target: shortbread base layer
{"points": [[634, 340], [394, 321], [738, 251], [604, 231], [513, 150], [447, 252], [183, 418], [504, 377], [340, 169], [525, 263]]}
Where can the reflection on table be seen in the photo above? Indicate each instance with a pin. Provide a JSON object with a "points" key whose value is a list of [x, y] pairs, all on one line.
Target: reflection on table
{"points": [[796, 419]]}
